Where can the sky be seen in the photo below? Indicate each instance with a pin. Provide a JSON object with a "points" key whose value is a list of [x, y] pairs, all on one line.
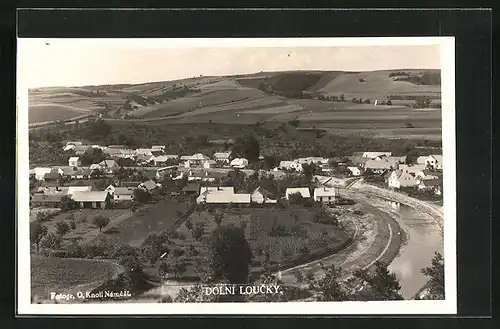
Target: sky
{"points": [[79, 62]]}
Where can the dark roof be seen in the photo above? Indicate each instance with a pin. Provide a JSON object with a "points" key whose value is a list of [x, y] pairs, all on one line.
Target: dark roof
{"points": [[432, 182], [157, 153], [47, 197], [149, 185]]}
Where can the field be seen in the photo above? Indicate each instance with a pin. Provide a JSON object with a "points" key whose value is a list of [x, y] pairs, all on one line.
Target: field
{"points": [[68, 275], [257, 223], [85, 231], [152, 218], [237, 100]]}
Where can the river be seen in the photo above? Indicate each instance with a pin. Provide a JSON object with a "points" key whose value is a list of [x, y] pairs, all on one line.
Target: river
{"points": [[423, 238]]}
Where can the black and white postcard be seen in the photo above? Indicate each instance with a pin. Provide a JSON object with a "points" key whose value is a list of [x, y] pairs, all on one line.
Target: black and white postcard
{"points": [[290, 175]]}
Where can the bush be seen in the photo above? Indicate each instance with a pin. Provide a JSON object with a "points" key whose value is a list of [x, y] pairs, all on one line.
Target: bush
{"points": [[51, 241], [74, 251], [72, 225], [62, 228]]}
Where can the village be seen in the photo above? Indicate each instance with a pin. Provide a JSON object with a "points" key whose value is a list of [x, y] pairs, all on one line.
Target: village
{"points": [[155, 165]]}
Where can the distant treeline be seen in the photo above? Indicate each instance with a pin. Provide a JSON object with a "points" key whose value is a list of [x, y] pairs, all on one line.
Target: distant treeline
{"points": [[425, 78], [90, 93]]}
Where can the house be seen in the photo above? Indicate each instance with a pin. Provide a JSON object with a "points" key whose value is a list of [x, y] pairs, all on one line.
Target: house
{"points": [[303, 191], [157, 153], [358, 160], [375, 155], [205, 190], [109, 166], [222, 156], [427, 174], [82, 173], [324, 194], [149, 186], [52, 190], [143, 152], [261, 196], [162, 160], [379, 166], [144, 159], [74, 162], [239, 163], [46, 199], [71, 145], [194, 160], [40, 172], [397, 159], [354, 171], [226, 198], [222, 195], [53, 175], [415, 170], [95, 166], [434, 185], [117, 146], [320, 161], [290, 165], [434, 161], [68, 172], [158, 148], [80, 149], [72, 189], [92, 199], [400, 178], [123, 194], [209, 164]]}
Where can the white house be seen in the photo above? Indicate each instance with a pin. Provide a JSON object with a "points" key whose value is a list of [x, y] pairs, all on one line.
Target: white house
{"points": [[379, 166], [325, 194], [120, 194], [434, 161], [158, 147], [239, 163], [143, 151], [195, 159], [399, 178], [417, 170], [226, 191], [290, 165], [431, 184], [303, 191], [310, 160], [209, 164], [261, 196], [40, 172], [375, 155], [161, 160], [74, 162], [354, 171], [222, 156]]}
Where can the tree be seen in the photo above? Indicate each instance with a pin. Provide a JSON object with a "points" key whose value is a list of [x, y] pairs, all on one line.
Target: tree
{"points": [[230, 255], [296, 198], [37, 232], [309, 170], [62, 228], [141, 195], [150, 254], [246, 147], [435, 273], [179, 267], [329, 287], [67, 203], [218, 218], [51, 241], [381, 284], [100, 221], [197, 232], [131, 263], [342, 98]]}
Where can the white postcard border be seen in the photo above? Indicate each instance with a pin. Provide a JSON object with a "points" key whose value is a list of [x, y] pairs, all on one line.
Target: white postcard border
{"points": [[447, 306]]}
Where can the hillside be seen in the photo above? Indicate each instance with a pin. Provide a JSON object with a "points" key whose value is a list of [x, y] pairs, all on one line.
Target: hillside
{"points": [[69, 275], [264, 96]]}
